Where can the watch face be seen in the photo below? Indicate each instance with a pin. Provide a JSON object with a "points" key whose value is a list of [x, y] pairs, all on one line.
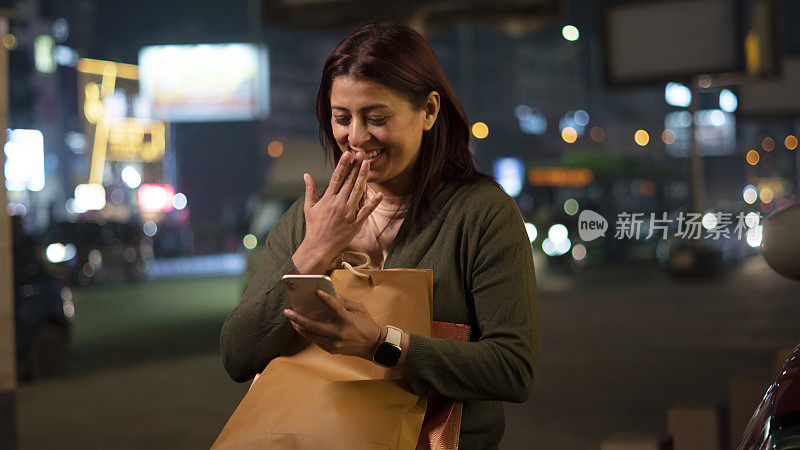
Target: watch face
{"points": [[387, 354]]}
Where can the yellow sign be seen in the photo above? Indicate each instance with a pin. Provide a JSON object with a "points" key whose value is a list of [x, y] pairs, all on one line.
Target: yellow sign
{"points": [[116, 138]]}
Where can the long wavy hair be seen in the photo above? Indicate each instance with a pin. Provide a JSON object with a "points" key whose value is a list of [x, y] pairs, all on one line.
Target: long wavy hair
{"points": [[401, 59]]}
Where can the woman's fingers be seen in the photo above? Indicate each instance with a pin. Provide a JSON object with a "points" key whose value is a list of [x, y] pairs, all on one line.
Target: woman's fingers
{"points": [[368, 207], [332, 302], [323, 341], [312, 195], [358, 191], [339, 173], [350, 181], [311, 326], [352, 305]]}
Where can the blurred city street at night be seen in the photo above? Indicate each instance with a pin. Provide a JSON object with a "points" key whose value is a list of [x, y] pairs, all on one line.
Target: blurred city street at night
{"points": [[150, 376], [650, 147]]}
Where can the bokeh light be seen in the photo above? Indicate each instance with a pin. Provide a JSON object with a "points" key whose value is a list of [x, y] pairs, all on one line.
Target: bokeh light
{"points": [[579, 252], [95, 257], [55, 252], [641, 137], [768, 144], [275, 149], [10, 41], [150, 228], [131, 177], [750, 194], [668, 136], [581, 117], [557, 233], [728, 101], [58, 252], [117, 196], [709, 221], [754, 236], [766, 195], [480, 130], [677, 94], [570, 33], [179, 201], [752, 157], [790, 142], [552, 248], [569, 135], [531, 230], [250, 241], [597, 134], [571, 206]]}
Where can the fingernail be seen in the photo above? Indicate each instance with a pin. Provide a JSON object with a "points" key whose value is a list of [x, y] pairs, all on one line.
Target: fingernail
{"points": [[305, 177], [287, 312]]}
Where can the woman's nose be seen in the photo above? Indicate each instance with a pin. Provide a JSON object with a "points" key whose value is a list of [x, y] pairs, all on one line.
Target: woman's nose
{"points": [[358, 134]]}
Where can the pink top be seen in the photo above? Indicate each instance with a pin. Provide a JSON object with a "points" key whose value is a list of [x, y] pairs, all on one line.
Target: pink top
{"points": [[375, 237]]}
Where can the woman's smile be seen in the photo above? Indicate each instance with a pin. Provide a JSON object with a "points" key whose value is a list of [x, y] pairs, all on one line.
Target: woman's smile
{"points": [[370, 155], [373, 155]]}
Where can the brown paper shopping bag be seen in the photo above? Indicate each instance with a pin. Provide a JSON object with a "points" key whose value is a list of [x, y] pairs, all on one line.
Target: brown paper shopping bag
{"points": [[441, 428], [313, 399]]}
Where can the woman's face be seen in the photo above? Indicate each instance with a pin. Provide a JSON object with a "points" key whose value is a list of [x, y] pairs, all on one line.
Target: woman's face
{"points": [[379, 124]]}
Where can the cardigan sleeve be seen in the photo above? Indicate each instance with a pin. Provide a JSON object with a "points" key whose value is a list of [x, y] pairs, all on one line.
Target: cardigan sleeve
{"points": [[500, 364], [256, 331]]}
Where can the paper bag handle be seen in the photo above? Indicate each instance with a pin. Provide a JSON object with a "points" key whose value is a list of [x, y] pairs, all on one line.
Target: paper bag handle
{"points": [[364, 276], [352, 260]]}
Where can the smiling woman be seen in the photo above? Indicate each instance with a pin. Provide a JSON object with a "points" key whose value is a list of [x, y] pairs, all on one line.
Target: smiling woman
{"points": [[405, 191], [382, 126]]}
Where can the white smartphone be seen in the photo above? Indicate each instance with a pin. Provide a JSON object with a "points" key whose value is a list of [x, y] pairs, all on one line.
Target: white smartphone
{"points": [[301, 290]]}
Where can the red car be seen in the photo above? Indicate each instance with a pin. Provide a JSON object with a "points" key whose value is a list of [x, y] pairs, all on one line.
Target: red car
{"points": [[776, 422]]}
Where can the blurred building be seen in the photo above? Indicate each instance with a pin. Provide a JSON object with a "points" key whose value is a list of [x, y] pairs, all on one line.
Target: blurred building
{"points": [[531, 75]]}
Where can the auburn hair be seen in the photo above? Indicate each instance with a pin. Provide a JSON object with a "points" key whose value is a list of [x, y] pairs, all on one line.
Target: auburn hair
{"points": [[401, 59]]}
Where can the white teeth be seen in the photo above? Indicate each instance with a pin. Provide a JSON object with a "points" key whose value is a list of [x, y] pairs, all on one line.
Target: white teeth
{"points": [[374, 154]]}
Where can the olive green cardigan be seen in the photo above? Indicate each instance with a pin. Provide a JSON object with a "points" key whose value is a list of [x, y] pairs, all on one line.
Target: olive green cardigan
{"points": [[483, 276]]}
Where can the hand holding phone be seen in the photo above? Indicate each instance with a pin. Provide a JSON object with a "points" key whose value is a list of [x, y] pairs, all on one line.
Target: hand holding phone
{"points": [[301, 290]]}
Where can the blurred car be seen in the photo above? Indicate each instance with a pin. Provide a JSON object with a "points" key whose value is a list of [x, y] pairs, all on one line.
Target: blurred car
{"points": [[83, 252], [775, 425], [776, 422], [43, 310], [43, 314]]}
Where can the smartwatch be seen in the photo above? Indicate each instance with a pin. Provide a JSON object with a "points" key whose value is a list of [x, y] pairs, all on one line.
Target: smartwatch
{"points": [[388, 352]]}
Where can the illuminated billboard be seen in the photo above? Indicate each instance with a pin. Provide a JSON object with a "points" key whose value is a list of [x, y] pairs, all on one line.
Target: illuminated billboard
{"points": [[24, 167], [205, 83], [112, 116]]}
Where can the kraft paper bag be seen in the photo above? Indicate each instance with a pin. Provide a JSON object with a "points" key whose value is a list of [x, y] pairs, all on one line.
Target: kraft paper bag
{"points": [[310, 399]]}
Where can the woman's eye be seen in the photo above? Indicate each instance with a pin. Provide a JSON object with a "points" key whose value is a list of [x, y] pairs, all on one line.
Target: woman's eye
{"points": [[377, 120], [342, 120]]}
